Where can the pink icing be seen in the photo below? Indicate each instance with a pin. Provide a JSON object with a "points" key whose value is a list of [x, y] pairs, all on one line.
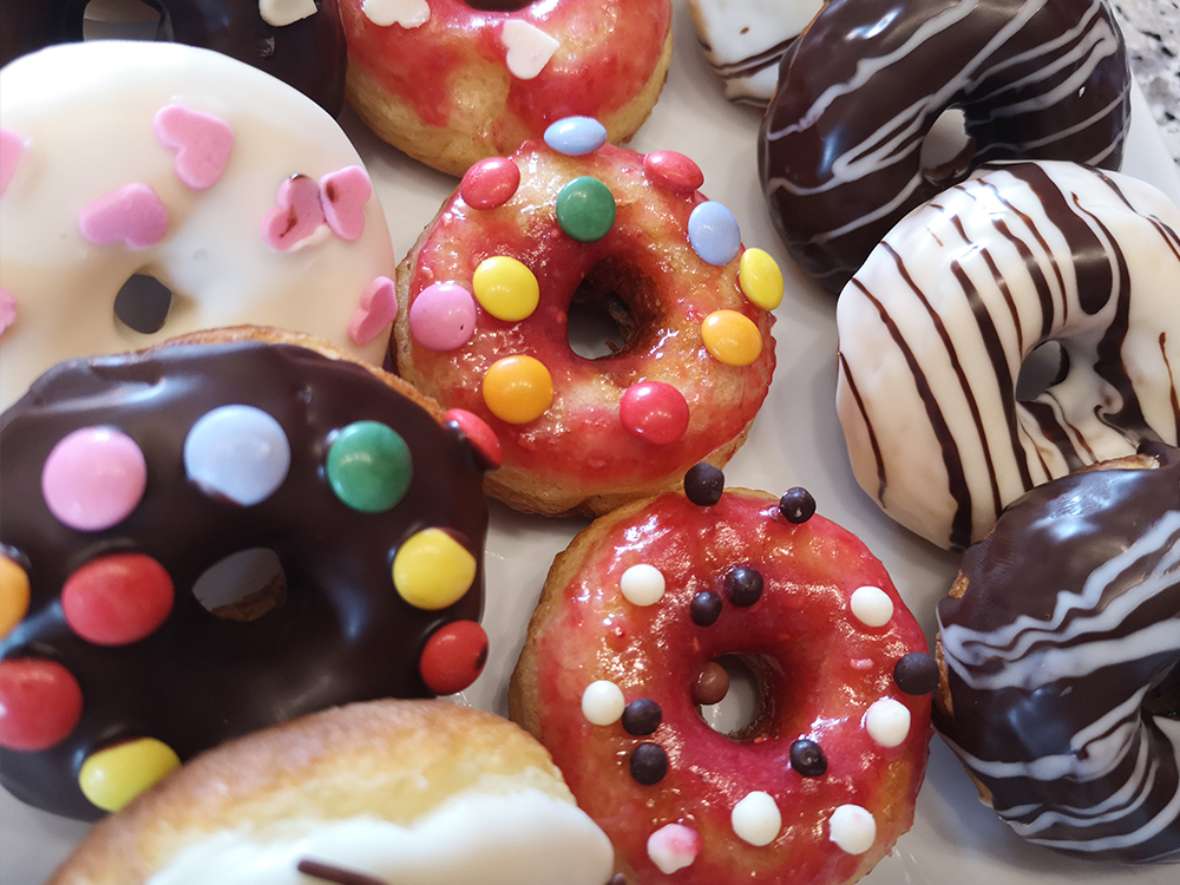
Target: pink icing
{"points": [[344, 194], [443, 316], [202, 143], [375, 311], [133, 215], [7, 310], [12, 146], [94, 478], [297, 213]]}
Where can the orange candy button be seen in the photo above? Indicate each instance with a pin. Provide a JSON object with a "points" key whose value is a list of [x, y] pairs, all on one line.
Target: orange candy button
{"points": [[518, 389]]}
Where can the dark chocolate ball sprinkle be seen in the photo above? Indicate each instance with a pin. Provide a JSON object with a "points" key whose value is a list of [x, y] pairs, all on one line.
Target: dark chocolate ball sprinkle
{"points": [[703, 484], [712, 684], [617, 879], [706, 608], [807, 758], [642, 716], [649, 763], [743, 585], [916, 673], [797, 505]]}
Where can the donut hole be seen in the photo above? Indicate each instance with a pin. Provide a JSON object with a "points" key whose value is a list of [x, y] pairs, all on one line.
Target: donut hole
{"points": [[142, 304], [124, 20], [747, 702], [947, 150], [610, 307], [244, 586], [1164, 699], [1045, 367]]}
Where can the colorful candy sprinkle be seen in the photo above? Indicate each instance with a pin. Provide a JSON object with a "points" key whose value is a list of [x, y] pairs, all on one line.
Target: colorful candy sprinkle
{"points": [[453, 657], [12, 148], [642, 584], [202, 143], [506, 288], [14, 594], [888, 722], [343, 195], [133, 215], [237, 453], [490, 183], [649, 763], [714, 234], [432, 570], [442, 317], [642, 716], [756, 819], [915, 673], [603, 703], [871, 606], [575, 136], [852, 828], [760, 279], [369, 466], [673, 172], [111, 778], [376, 309], [518, 389], [797, 505], [703, 484], [94, 478], [586, 209], [731, 337], [477, 432], [807, 758], [40, 704], [655, 412], [117, 599], [673, 847]]}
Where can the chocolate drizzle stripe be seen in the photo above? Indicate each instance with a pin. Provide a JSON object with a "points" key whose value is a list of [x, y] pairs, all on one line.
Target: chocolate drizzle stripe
{"points": [[1175, 398], [1006, 294], [873, 441], [1170, 236], [1051, 428], [337, 875]]}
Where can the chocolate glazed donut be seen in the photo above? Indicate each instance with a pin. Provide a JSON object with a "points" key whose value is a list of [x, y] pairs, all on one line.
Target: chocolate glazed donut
{"points": [[1059, 646], [308, 54], [840, 146]]}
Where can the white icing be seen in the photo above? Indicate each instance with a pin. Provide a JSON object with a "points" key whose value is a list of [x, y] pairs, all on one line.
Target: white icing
{"points": [[280, 13], [871, 606], [642, 584], [89, 135], [603, 703], [852, 828], [520, 838], [756, 819], [407, 13], [529, 48], [888, 722]]}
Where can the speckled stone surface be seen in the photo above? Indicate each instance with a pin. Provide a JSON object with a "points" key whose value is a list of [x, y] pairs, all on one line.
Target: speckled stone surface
{"points": [[1152, 30]]}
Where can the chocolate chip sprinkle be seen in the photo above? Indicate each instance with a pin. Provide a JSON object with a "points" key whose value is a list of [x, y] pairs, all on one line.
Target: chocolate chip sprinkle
{"points": [[706, 608], [797, 505], [649, 763], [642, 716], [712, 684], [703, 484], [331, 873], [916, 673], [807, 758], [743, 585]]}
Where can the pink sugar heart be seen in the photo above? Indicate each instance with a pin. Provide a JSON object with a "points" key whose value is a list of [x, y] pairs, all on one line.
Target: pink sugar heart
{"points": [[8, 310], [202, 143], [133, 214], [345, 193], [376, 310], [297, 213], [11, 148]]}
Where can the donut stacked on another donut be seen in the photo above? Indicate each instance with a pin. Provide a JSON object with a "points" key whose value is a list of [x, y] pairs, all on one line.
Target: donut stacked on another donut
{"points": [[1060, 658], [453, 81], [840, 146], [623, 648], [488, 290], [129, 480], [935, 327]]}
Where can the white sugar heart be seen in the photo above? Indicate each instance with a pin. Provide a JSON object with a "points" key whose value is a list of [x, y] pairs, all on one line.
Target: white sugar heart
{"points": [[407, 13], [529, 48], [280, 13]]}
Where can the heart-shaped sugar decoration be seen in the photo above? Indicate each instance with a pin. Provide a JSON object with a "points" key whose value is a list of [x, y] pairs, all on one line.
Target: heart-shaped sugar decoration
{"points": [[202, 143], [297, 213], [529, 48], [133, 215], [280, 13], [376, 310], [407, 13], [345, 193], [7, 310], [12, 146]]}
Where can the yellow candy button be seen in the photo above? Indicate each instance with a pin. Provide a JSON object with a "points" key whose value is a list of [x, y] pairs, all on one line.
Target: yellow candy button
{"points": [[506, 288], [432, 570], [112, 778], [14, 594], [760, 279], [518, 389], [731, 337]]}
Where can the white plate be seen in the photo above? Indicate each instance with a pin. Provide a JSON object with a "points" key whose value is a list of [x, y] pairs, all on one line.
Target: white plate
{"points": [[795, 441]]}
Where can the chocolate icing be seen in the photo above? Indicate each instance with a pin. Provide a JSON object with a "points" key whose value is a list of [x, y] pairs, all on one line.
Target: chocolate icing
{"points": [[1049, 659], [343, 634], [308, 54], [839, 151]]}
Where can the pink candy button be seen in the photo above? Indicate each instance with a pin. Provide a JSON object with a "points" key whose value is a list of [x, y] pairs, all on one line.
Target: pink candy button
{"points": [[654, 411], [94, 478], [490, 183], [442, 317], [673, 171]]}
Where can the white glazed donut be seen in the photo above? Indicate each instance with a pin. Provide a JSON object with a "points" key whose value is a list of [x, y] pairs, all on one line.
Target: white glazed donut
{"points": [[935, 327], [119, 157]]}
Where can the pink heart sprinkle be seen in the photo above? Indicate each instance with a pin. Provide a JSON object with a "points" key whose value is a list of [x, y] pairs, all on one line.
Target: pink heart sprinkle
{"points": [[7, 310], [345, 193], [298, 213], [376, 310], [202, 143], [133, 215], [11, 148]]}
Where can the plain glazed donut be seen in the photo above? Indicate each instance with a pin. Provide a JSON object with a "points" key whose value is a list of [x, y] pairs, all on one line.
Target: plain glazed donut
{"points": [[1060, 658], [406, 792], [233, 190], [935, 327], [634, 613], [453, 81], [488, 290], [128, 478], [840, 146]]}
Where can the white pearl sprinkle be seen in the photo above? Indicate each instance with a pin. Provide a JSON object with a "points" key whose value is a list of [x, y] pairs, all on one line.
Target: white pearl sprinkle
{"points": [[673, 847], [852, 828], [603, 702], [756, 819], [888, 722], [871, 606], [642, 584]]}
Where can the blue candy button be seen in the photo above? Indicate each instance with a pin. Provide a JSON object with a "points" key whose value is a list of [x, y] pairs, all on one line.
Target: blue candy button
{"points": [[714, 233], [575, 136], [238, 453]]}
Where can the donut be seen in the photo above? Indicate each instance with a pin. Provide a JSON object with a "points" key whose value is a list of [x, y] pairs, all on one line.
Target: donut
{"points": [[449, 795], [572, 222], [134, 485], [450, 82], [840, 147], [231, 193], [636, 616], [1060, 690], [935, 327], [299, 41]]}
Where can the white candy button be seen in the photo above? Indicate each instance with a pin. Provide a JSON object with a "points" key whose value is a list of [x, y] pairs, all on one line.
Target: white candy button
{"points": [[237, 452], [871, 606], [603, 703], [756, 819], [852, 829], [642, 584], [888, 722]]}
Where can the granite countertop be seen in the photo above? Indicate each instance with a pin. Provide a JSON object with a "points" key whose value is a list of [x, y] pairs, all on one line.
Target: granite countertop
{"points": [[1152, 31]]}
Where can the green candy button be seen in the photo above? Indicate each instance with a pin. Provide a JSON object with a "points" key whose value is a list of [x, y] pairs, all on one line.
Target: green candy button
{"points": [[369, 466], [586, 209]]}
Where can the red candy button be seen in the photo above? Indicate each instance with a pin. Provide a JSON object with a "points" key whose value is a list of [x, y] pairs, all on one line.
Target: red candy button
{"points": [[117, 599], [654, 411], [40, 703], [673, 171], [453, 657], [478, 433], [490, 183]]}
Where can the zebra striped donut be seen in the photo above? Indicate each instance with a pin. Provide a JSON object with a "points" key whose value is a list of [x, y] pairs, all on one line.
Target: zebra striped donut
{"points": [[1059, 647], [935, 327]]}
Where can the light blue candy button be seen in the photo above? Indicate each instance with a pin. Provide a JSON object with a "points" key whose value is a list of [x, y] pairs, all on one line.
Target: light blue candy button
{"points": [[237, 452], [714, 233], [575, 136]]}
